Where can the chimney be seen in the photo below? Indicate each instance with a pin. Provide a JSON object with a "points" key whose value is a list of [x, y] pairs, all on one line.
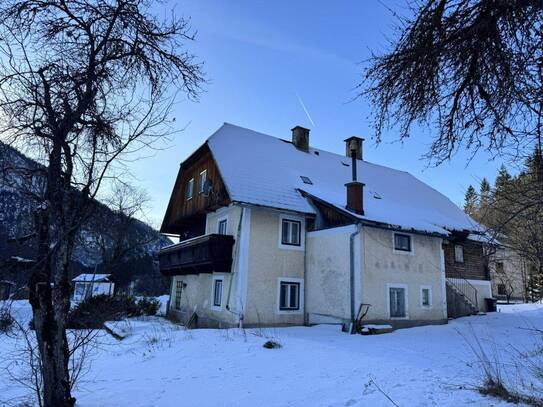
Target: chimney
{"points": [[300, 138], [355, 189], [354, 145]]}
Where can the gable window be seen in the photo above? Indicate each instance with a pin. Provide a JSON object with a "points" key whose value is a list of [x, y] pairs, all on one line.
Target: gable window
{"points": [[402, 242], [217, 292], [397, 301], [223, 223], [289, 296], [178, 293], [189, 189], [290, 232], [458, 253], [426, 297], [201, 181]]}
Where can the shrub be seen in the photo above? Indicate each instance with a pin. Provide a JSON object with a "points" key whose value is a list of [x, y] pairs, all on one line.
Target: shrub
{"points": [[94, 311], [148, 306]]}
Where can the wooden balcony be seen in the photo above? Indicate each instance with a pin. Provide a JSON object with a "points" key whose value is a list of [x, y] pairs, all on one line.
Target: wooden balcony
{"points": [[202, 254]]}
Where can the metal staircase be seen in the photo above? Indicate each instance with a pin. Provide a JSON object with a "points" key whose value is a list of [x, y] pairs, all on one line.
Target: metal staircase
{"points": [[462, 297]]}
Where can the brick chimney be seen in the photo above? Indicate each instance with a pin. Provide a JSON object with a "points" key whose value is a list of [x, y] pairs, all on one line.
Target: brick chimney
{"points": [[355, 189], [300, 138], [354, 145]]}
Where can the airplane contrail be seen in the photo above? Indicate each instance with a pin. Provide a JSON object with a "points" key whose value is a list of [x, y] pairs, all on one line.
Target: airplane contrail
{"points": [[305, 109]]}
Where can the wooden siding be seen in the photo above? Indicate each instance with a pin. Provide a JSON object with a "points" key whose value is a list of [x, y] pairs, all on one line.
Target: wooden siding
{"points": [[474, 266], [186, 217]]}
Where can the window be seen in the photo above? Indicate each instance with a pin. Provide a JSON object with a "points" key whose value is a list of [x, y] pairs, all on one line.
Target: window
{"points": [[426, 296], [289, 296], [290, 232], [189, 189], [223, 223], [397, 302], [501, 289], [402, 242], [217, 292], [201, 181], [499, 268], [178, 292], [306, 180], [458, 253], [79, 289]]}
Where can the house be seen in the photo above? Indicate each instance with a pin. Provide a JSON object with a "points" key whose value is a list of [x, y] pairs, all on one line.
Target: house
{"points": [[276, 232], [510, 274], [88, 285]]}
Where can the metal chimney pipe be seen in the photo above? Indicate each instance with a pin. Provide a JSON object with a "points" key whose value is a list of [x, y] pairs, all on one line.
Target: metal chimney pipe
{"points": [[353, 163]]}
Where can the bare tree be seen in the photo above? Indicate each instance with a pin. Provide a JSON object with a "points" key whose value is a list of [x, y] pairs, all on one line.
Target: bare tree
{"points": [[117, 239], [471, 69], [83, 83]]}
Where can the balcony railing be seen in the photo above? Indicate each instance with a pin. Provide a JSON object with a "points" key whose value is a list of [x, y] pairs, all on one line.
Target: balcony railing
{"points": [[202, 254]]}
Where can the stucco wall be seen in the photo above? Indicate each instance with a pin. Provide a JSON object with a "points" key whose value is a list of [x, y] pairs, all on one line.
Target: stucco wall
{"points": [[197, 295], [382, 266], [328, 275], [266, 264], [378, 265], [514, 275]]}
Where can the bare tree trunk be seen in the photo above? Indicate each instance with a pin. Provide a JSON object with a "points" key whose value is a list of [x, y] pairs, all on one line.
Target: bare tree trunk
{"points": [[50, 285]]}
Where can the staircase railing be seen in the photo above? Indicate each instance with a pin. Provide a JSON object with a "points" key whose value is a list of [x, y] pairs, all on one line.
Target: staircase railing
{"points": [[465, 288]]}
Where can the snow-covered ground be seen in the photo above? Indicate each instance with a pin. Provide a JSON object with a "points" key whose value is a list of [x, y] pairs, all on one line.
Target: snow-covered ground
{"points": [[160, 364]]}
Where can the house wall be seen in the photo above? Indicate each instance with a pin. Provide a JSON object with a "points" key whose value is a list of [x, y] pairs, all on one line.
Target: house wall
{"points": [[197, 295], [473, 267], [514, 274], [325, 286], [382, 266], [328, 275], [267, 263], [378, 265]]}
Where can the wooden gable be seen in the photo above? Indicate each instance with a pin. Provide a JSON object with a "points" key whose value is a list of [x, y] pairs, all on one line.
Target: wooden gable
{"points": [[186, 216]]}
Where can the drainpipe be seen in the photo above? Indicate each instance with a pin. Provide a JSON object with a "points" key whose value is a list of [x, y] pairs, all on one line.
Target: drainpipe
{"points": [[353, 271]]}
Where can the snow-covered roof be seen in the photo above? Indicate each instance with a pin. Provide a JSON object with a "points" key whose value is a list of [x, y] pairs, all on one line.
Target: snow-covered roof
{"points": [[22, 259], [264, 170], [89, 277]]}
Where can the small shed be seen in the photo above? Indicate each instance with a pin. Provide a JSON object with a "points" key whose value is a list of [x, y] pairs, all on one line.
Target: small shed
{"points": [[88, 285]]}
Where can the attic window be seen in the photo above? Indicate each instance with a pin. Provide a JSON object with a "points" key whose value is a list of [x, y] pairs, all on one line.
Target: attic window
{"points": [[316, 152], [345, 164], [306, 180], [376, 195]]}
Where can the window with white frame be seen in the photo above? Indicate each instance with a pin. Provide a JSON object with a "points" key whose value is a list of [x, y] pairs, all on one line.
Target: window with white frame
{"points": [[402, 242], [289, 295], [179, 285], [397, 302], [217, 292], [201, 181], [426, 296], [222, 227], [291, 232], [189, 189], [458, 253]]}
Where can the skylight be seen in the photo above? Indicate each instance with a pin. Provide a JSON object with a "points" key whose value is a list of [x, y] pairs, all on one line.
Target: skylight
{"points": [[306, 180]]}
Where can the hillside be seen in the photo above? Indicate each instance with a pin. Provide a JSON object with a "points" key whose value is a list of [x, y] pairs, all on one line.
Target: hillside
{"points": [[100, 241]]}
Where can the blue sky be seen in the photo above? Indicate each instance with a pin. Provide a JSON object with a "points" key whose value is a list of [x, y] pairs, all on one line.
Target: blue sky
{"points": [[263, 57]]}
